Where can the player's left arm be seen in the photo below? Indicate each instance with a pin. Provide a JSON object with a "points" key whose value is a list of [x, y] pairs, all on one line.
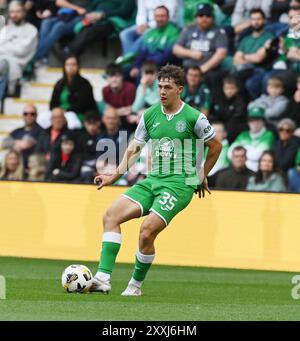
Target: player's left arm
{"points": [[214, 150]]}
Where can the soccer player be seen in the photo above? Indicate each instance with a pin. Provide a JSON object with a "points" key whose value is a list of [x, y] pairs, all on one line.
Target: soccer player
{"points": [[168, 189]]}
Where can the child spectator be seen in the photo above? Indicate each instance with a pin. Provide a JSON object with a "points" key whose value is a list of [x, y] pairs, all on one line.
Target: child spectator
{"points": [[64, 165], [230, 108], [13, 167], [256, 140], [36, 167], [268, 177], [274, 103], [87, 145], [147, 92], [196, 93]]}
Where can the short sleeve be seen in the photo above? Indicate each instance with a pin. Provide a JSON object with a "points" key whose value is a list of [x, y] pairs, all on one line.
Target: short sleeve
{"points": [[203, 128], [183, 37], [221, 39], [141, 135]]}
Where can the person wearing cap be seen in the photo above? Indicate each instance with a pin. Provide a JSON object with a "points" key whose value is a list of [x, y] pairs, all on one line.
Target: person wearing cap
{"points": [[256, 140], [203, 45], [18, 42], [65, 164], [294, 175]]}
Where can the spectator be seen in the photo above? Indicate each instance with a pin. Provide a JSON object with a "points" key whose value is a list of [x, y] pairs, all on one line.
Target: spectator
{"points": [[18, 44], [87, 144], [24, 139], [36, 167], [55, 28], [274, 103], [293, 111], [73, 93], [119, 94], [131, 38], [13, 167], [240, 19], [50, 139], [196, 93], [257, 140], [223, 161], [230, 108], [294, 175], [203, 45], [147, 92], [96, 24], [112, 137], [268, 177], [235, 176], [285, 148], [64, 165], [252, 54], [157, 43], [37, 10]]}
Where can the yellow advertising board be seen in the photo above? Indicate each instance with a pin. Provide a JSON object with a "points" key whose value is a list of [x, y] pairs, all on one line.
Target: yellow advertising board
{"points": [[226, 229]]}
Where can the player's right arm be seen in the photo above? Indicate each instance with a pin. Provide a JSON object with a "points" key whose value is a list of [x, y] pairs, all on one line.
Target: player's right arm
{"points": [[131, 155]]}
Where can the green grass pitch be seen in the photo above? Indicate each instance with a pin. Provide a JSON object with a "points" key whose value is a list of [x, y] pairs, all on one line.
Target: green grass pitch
{"points": [[34, 292]]}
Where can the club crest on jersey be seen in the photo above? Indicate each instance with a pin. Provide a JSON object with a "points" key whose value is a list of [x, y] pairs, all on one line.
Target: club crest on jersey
{"points": [[180, 126]]}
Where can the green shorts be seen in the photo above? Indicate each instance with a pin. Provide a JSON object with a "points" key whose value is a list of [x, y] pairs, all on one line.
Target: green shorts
{"points": [[164, 197]]}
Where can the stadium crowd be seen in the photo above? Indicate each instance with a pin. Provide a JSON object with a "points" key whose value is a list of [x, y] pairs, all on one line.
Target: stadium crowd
{"points": [[242, 63]]}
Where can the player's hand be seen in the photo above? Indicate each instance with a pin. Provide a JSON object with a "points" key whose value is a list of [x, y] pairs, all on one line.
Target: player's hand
{"points": [[102, 180], [202, 189]]}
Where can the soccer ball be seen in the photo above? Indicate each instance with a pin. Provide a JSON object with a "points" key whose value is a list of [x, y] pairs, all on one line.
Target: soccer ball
{"points": [[76, 278]]}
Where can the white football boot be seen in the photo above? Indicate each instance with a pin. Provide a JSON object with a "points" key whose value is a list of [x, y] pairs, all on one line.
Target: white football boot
{"points": [[100, 286], [132, 290]]}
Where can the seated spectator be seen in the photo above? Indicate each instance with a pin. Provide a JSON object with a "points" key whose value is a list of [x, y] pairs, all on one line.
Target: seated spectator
{"points": [[119, 94], [294, 175], [104, 166], [240, 19], [37, 10], [251, 59], [96, 24], [18, 44], [62, 25], [223, 161], [50, 139], [147, 92], [235, 176], [112, 138], [230, 108], [36, 167], [87, 143], [73, 93], [256, 140], [293, 111], [65, 164], [268, 177], [131, 37], [195, 92], [157, 43], [24, 139], [274, 103], [12, 168], [285, 148]]}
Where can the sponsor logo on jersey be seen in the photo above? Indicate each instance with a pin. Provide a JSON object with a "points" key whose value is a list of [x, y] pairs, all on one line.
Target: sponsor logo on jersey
{"points": [[165, 147], [180, 126]]}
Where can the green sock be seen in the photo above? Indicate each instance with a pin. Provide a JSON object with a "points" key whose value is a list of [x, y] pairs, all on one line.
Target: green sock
{"points": [[110, 248], [142, 266]]}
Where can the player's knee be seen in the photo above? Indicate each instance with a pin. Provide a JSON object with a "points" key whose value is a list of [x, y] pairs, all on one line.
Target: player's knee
{"points": [[109, 219], [147, 235]]}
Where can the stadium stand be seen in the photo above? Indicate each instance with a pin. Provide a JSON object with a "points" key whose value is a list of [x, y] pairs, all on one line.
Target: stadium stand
{"points": [[242, 61]]}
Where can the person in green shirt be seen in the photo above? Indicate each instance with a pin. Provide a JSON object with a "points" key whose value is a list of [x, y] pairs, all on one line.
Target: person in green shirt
{"points": [[173, 128]]}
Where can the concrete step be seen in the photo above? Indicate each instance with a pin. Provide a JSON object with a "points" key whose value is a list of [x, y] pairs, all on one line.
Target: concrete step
{"points": [[14, 106], [9, 124], [40, 91]]}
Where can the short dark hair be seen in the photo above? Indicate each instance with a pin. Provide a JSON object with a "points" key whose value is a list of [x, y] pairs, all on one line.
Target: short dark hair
{"points": [[239, 149], [231, 80], [113, 69], [195, 68], [92, 116], [163, 7], [172, 72], [258, 10], [149, 67]]}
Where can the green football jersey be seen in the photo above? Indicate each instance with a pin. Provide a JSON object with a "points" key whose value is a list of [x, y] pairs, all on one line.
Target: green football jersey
{"points": [[176, 141]]}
